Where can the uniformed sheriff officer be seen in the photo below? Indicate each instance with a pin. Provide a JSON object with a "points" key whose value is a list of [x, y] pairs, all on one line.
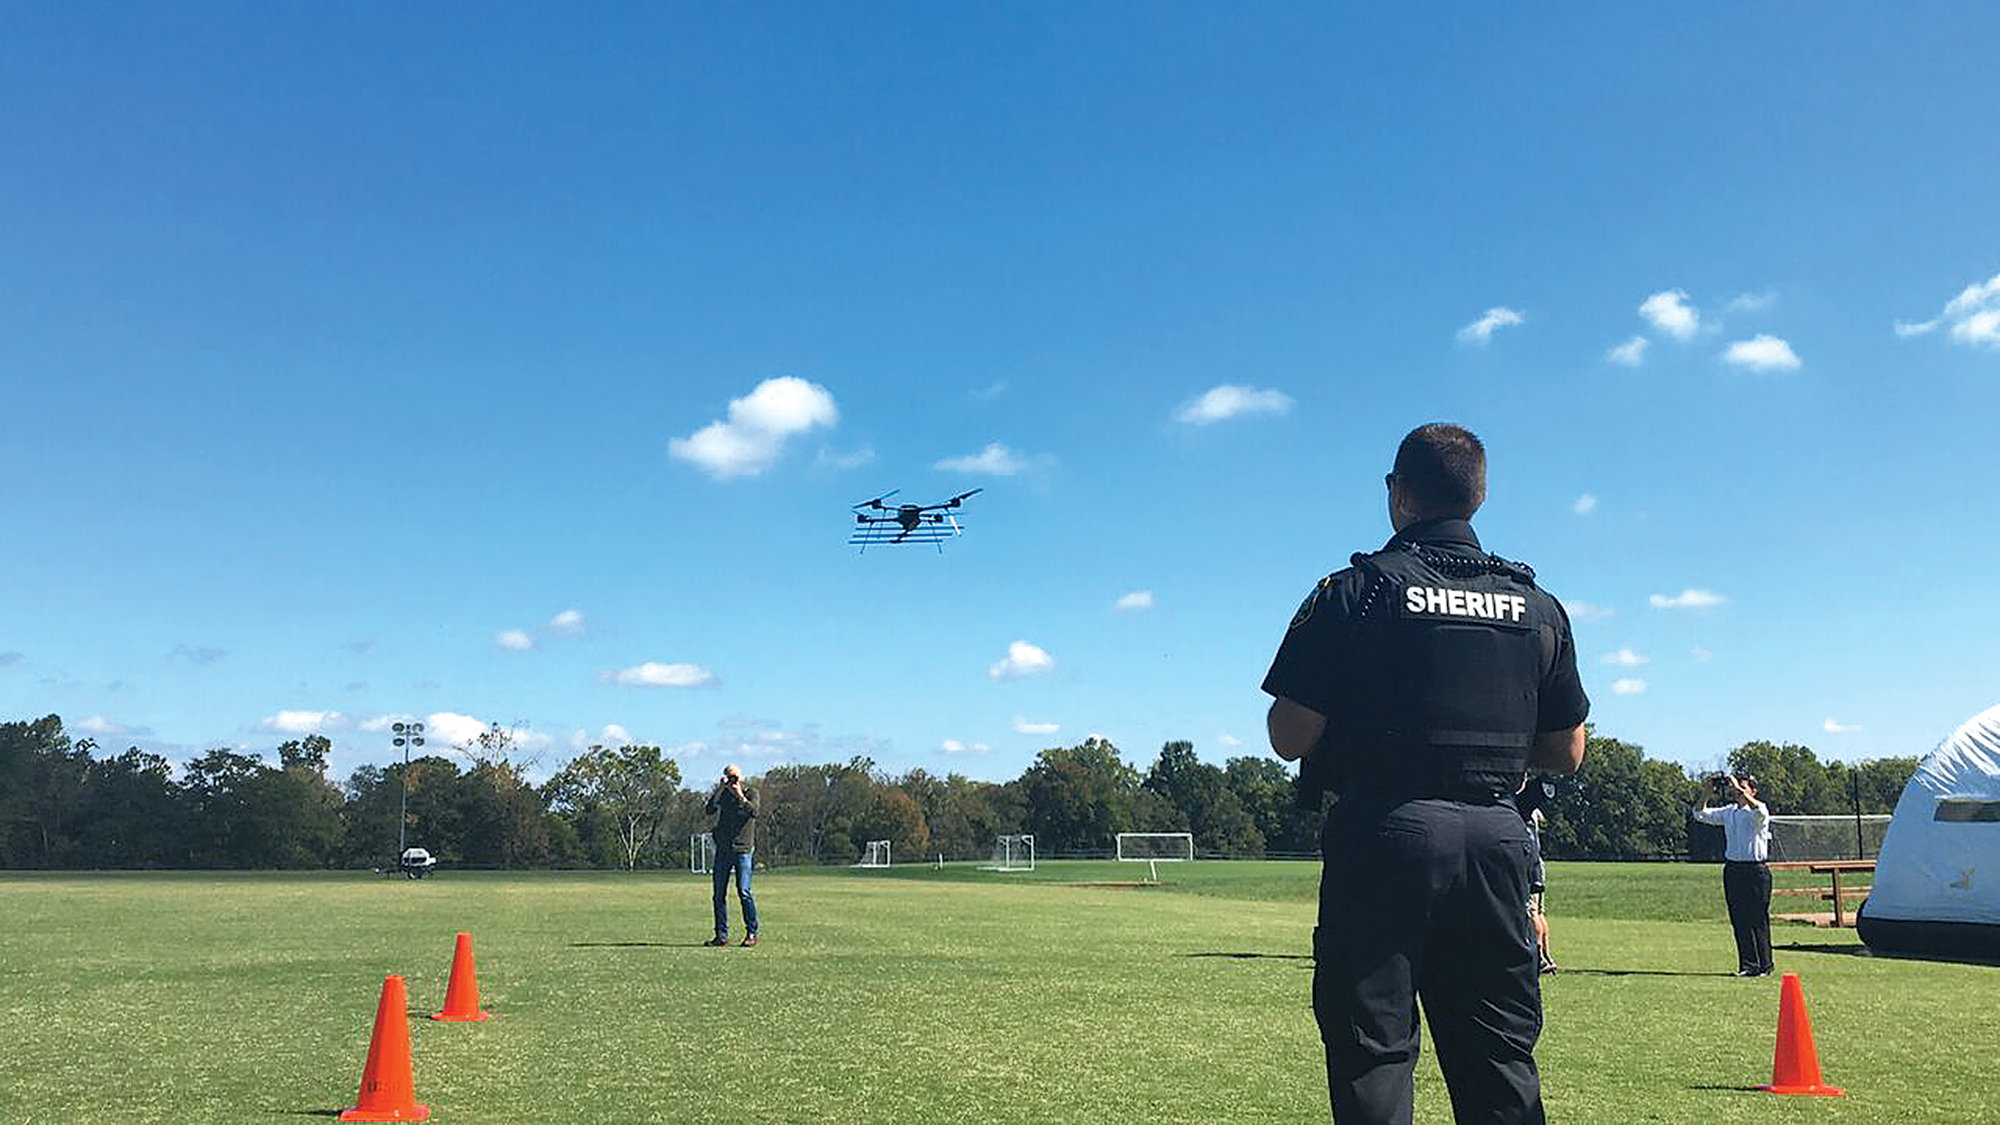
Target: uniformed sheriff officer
{"points": [[1422, 682]]}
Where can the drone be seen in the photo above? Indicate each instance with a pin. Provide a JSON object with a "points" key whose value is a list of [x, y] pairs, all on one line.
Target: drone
{"points": [[906, 523]]}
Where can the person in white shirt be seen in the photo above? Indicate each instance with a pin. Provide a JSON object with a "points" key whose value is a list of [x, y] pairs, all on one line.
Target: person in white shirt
{"points": [[1746, 878]]}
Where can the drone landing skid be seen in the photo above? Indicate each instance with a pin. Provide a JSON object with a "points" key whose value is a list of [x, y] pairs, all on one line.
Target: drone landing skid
{"points": [[892, 535]]}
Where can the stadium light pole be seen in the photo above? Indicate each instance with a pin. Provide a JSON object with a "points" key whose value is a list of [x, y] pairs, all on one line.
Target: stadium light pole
{"points": [[407, 735]]}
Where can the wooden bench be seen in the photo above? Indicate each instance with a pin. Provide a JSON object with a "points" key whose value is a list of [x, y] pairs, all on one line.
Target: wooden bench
{"points": [[1834, 869]]}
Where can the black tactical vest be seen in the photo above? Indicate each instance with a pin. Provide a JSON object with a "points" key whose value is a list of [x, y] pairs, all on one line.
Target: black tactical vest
{"points": [[1452, 647]]}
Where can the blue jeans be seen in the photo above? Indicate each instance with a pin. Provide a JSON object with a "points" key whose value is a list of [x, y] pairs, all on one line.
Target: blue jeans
{"points": [[738, 862]]}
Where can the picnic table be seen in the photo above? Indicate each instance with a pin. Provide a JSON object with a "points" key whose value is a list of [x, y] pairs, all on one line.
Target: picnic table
{"points": [[1834, 869]]}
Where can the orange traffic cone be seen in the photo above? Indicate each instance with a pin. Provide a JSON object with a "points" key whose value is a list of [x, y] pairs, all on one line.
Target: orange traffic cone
{"points": [[1795, 1070], [388, 1086], [461, 996]]}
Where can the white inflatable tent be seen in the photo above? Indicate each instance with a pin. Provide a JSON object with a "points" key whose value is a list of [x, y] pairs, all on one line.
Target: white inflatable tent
{"points": [[1937, 879]]}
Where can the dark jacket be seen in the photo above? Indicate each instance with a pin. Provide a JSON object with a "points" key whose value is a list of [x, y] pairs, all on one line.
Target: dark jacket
{"points": [[735, 820]]}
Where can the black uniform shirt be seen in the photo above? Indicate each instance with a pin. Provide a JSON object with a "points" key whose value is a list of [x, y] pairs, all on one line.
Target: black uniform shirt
{"points": [[1318, 663]]}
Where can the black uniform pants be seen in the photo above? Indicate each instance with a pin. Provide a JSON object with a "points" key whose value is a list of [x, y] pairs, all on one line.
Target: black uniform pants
{"points": [[1746, 887], [1425, 899]]}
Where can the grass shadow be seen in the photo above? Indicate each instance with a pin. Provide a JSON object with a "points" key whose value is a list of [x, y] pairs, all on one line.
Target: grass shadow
{"points": [[1730, 1089], [1567, 970], [1886, 955], [311, 1112], [1254, 956], [638, 945]]}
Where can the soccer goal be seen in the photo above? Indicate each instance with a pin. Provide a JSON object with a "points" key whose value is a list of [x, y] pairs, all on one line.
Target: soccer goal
{"points": [[1012, 853], [701, 853], [1801, 839], [875, 854], [1155, 848]]}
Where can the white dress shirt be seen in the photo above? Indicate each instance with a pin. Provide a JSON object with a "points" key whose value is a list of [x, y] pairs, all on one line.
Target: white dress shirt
{"points": [[1746, 832]]}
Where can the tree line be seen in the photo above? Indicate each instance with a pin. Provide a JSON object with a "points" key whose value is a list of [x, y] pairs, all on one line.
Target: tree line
{"points": [[65, 805]]}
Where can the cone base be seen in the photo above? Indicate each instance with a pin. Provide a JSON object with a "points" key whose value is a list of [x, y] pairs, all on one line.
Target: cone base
{"points": [[1806, 1091], [480, 1016], [413, 1112]]}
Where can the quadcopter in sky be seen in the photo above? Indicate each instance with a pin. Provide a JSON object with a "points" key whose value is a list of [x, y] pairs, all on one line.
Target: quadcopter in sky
{"points": [[879, 524]]}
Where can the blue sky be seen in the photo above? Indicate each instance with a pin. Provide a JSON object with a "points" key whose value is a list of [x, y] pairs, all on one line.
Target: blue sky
{"points": [[360, 362]]}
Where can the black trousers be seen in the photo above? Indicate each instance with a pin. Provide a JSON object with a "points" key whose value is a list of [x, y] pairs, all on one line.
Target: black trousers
{"points": [[1746, 887], [1424, 899]]}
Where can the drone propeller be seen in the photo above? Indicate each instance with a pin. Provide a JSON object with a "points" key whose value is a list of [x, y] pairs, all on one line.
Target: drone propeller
{"points": [[963, 496], [877, 502]]}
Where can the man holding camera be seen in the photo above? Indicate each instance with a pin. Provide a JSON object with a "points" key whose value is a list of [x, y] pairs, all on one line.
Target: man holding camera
{"points": [[1422, 682], [1746, 878], [735, 849]]}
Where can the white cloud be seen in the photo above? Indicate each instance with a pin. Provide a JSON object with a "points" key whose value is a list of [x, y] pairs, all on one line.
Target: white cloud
{"points": [[1631, 353], [1688, 599], [1221, 403], [1585, 611], [1832, 727], [654, 674], [1023, 726], [954, 746], [1628, 687], [1625, 658], [1701, 654], [99, 725], [1137, 599], [453, 729], [514, 640], [1480, 331], [1974, 316], [303, 722], [759, 424], [614, 735], [1228, 740], [1023, 659], [1752, 302], [1585, 504], [569, 621], [995, 460], [1762, 352], [381, 723], [1669, 312], [991, 391]]}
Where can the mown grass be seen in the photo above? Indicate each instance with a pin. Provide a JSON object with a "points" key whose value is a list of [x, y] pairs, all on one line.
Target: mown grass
{"points": [[907, 995]]}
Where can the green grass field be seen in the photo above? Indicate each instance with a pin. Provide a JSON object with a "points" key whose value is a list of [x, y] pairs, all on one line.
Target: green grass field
{"points": [[906, 995]]}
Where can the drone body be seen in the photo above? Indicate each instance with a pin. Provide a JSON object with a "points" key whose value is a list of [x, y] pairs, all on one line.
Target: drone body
{"points": [[879, 524]]}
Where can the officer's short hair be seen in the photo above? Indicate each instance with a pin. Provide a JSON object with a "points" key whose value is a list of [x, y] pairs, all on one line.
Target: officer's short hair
{"points": [[1443, 471]]}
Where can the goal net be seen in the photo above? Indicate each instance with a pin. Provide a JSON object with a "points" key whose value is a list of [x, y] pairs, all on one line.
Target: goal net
{"points": [[874, 854], [1796, 839], [701, 853], [1013, 853], [1155, 847]]}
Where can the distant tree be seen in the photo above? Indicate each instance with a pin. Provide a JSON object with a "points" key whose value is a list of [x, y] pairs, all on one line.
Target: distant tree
{"points": [[1080, 797], [133, 814], [809, 814], [291, 815], [1790, 778], [1268, 791], [633, 786], [217, 787], [1203, 801], [42, 780], [1621, 803]]}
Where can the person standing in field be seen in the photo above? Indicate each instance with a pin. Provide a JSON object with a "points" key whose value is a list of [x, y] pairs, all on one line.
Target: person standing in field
{"points": [[1423, 681], [735, 831], [1746, 877]]}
